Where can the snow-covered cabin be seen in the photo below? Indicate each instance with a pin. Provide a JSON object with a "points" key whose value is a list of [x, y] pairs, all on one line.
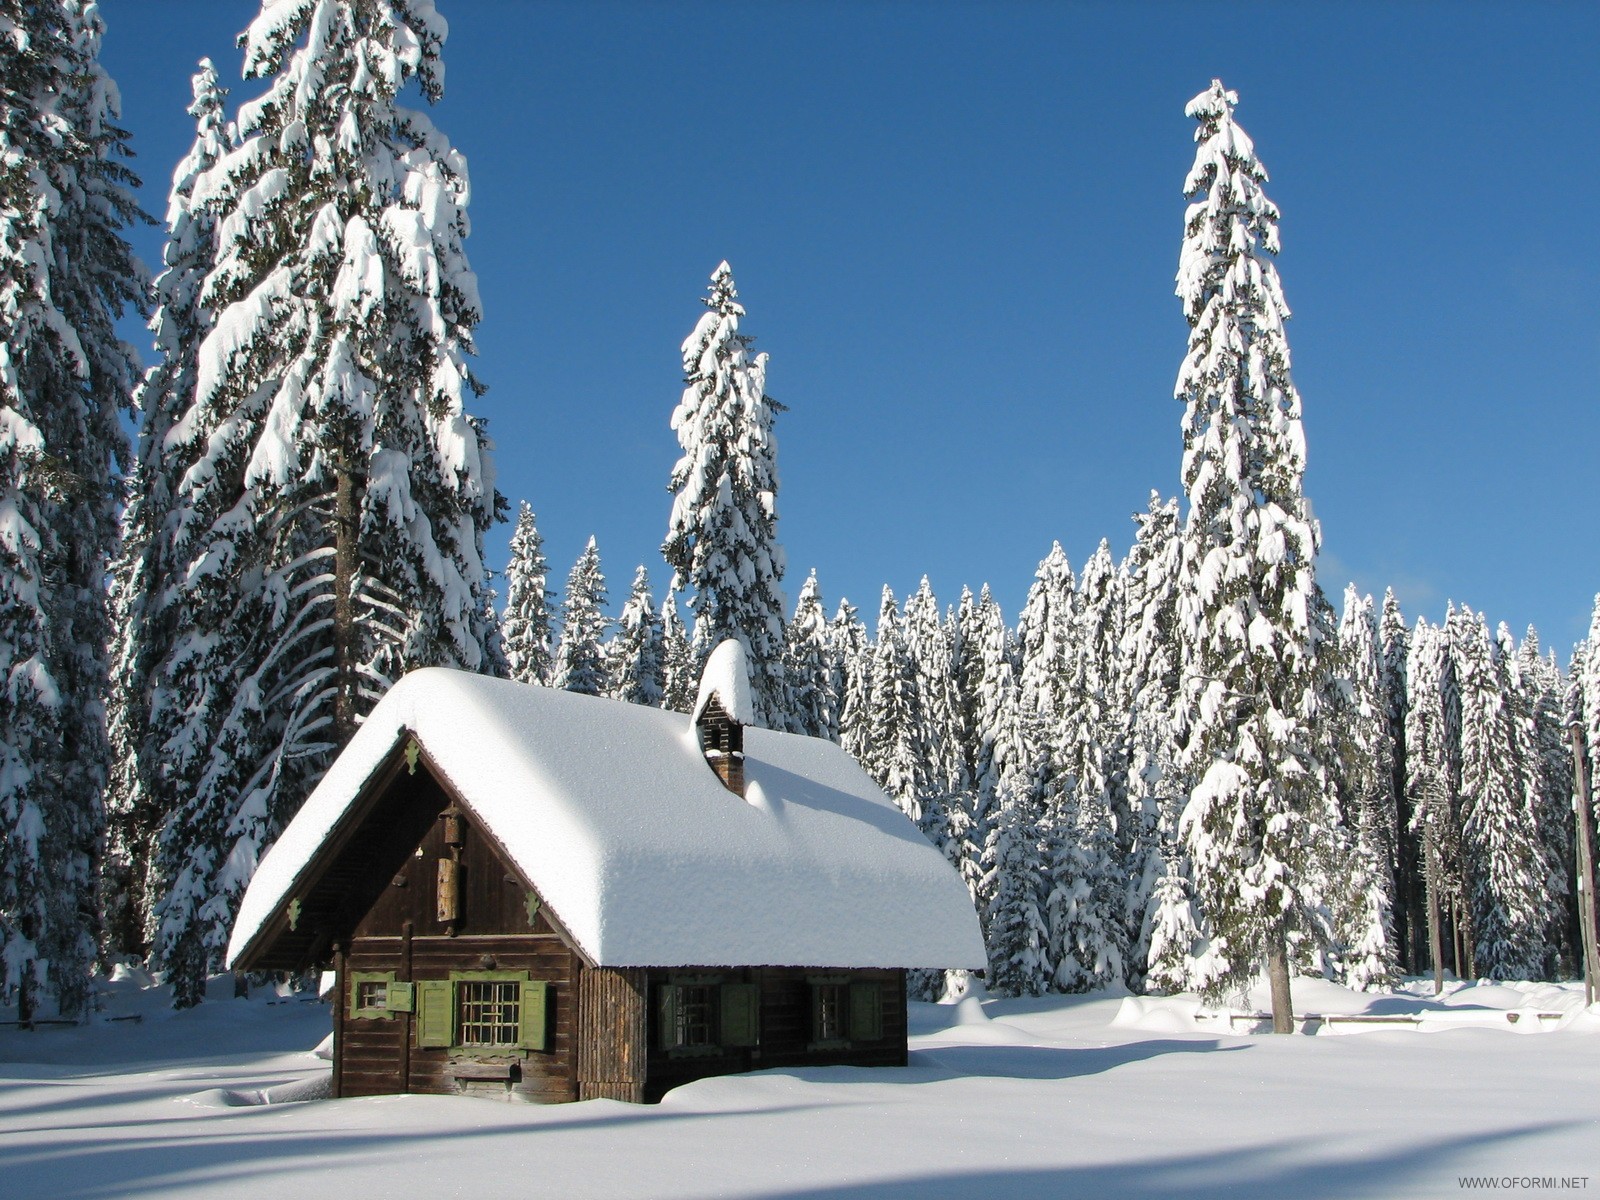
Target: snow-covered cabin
{"points": [[546, 896]]}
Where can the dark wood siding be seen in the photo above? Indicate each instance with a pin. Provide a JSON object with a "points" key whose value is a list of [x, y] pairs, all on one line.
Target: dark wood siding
{"points": [[374, 1049], [786, 1029], [379, 1056], [613, 1034]]}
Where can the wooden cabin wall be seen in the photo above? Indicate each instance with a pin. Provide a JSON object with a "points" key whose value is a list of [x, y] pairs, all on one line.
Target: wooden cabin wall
{"points": [[785, 1027], [613, 1024], [378, 1056]]}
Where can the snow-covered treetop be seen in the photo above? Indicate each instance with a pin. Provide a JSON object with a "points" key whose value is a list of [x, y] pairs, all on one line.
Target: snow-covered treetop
{"points": [[727, 677]]}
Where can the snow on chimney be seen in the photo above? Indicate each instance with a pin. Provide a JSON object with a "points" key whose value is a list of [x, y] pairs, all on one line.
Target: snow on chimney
{"points": [[721, 711]]}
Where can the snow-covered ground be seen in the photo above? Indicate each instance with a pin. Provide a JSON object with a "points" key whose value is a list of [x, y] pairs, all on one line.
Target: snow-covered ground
{"points": [[1099, 1096]]}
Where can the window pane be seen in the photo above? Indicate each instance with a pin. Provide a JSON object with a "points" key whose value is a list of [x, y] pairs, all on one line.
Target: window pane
{"points": [[830, 1011], [694, 1016], [488, 1012], [372, 993]]}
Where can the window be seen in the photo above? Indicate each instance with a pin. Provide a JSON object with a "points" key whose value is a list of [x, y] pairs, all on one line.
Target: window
{"points": [[500, 1012], [488, 1012], [844, 1012], [372, 993], [700, 1015], [369, 996], [692, 1026], [829, 1000]]}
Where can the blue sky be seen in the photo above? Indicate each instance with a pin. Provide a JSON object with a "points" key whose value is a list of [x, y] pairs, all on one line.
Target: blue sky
{"points": [[955, 228]]}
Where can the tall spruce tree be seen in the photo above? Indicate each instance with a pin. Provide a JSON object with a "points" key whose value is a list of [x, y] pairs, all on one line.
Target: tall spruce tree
{"points": [[1506, 872], [525, 623], [722, 539], [815, 708], [332, 524], [1148, 686], [1541, 686], [635, 655], [145, 578], [1045, 632], [680, 677], [66, 275], [1410, 921], [1430, 789], [1364, 919], [580, 663], [1256, 629], [896, 752], [851, 678]]}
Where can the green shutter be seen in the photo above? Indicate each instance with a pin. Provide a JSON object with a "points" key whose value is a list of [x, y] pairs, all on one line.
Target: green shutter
{"points": [[741, 1014], [436, 1012], [532, 1031], [400, 997], [866, 1012], [667, 1016]]}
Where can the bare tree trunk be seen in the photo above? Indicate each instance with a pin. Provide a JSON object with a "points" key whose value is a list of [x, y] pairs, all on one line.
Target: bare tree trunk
{"points": [[1278, 978], [1435, 926], [345, 529]]}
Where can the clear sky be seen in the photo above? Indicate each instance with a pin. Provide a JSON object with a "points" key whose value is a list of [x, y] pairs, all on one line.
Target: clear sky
{"points": [[955, 229]]}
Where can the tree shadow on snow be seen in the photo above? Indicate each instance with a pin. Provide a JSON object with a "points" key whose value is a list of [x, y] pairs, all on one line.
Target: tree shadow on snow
{"points": [[1270, 1172], [1048, 1062], [213, 1158]]}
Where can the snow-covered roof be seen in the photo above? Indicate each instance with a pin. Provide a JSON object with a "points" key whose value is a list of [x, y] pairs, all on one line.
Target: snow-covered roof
{"points": [[727, 677], [611, 812]]}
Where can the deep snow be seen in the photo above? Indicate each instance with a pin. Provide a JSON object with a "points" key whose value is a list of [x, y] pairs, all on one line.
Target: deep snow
{"points": [[1011, 1098]]}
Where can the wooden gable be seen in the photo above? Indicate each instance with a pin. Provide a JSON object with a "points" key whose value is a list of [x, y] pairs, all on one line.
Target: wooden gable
{"points": [[384, 865]]}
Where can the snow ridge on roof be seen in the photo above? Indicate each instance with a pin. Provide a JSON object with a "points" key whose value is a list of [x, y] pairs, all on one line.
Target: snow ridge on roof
{"points": [[610, 810], [727, 677]]}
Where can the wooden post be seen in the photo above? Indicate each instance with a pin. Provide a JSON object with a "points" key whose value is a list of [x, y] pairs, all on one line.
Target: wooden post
{"points": [[407, 1018], [340, 981], [1586, 905]]}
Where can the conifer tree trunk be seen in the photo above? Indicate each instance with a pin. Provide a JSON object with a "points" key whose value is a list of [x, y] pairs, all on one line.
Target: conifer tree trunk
{"points": [[1278, 979], [346, 530], [1435, 932]]}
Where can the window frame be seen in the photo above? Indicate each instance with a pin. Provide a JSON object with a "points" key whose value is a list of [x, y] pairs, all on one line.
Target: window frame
{"points": [[370, 1012], [534, 997]]}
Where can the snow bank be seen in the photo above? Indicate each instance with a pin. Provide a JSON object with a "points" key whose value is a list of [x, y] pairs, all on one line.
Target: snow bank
{"points": [[727, 677]]}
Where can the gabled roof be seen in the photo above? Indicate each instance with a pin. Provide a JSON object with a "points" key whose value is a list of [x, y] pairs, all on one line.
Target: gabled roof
{"points": [[611, 811]]}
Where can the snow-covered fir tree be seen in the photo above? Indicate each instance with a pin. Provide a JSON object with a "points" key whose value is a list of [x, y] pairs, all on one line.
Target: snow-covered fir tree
{"points": [[1541, 690], [928, 645], [1430, 788], [1087, 906], [146, 578], [525, 622], [1409, 919], [722, 538], [1045, 631], [66, 275], [635, 654], [1256, 631], [815, 707], [680, 676], [1147, 688], [851, 678], [580, 663], [1507, 875], [1363, 920], [896, 754], [332, 524], [1016, 933]]}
